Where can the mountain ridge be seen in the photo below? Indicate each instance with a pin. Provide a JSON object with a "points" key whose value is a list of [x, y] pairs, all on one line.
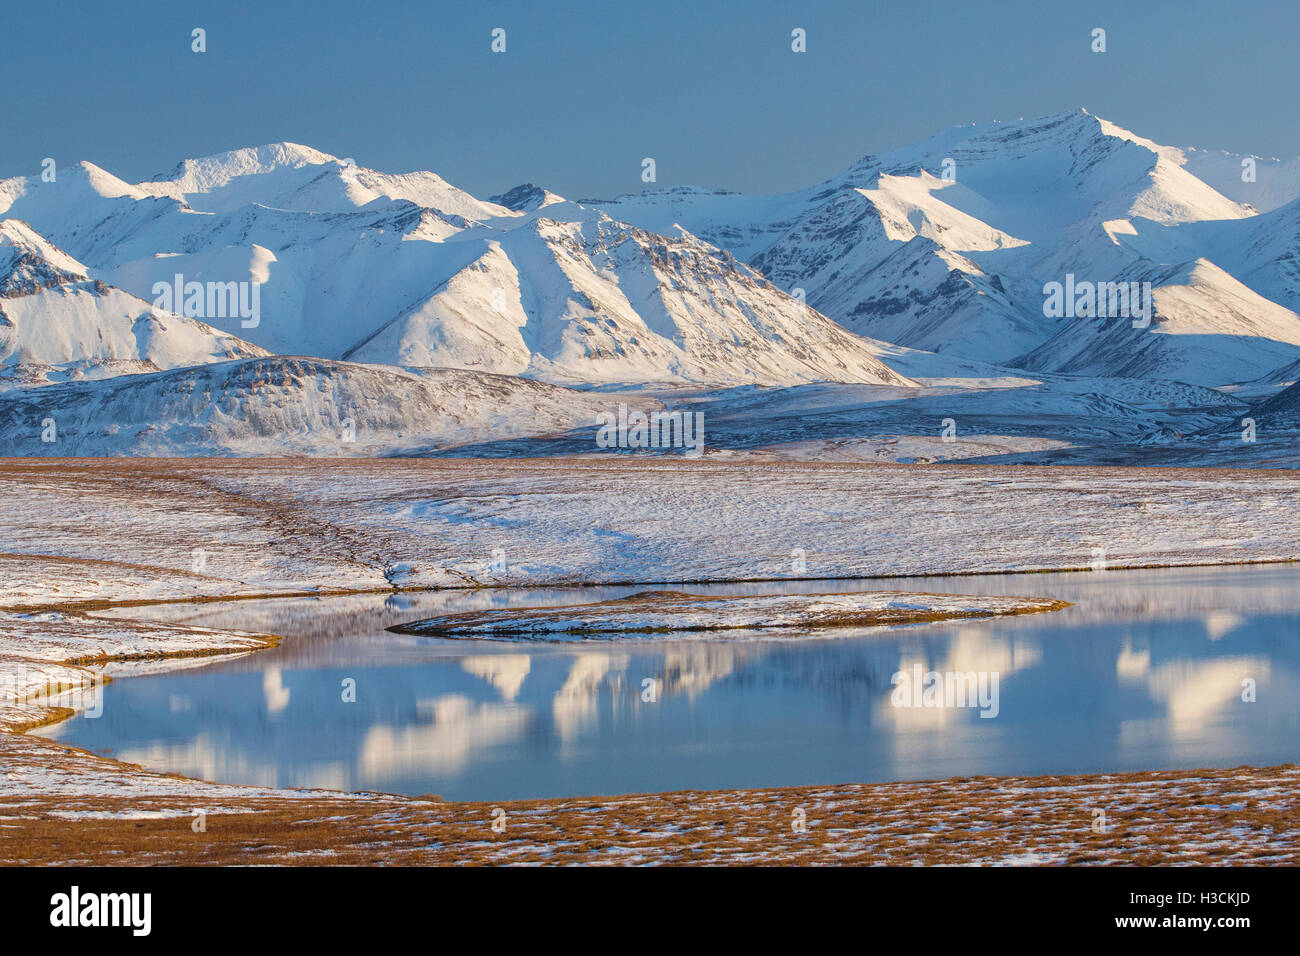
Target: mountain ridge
{"points": [[944, 246]]}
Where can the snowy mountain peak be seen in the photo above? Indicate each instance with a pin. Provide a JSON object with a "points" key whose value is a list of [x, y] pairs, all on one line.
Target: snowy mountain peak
{"points": [[209, 172], [101, 181], [75, 185], [294, 178], [29, 262], [526, 198]]}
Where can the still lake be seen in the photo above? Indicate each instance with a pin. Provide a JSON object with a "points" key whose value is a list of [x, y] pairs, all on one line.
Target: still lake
{"points": [[1147, 670]]}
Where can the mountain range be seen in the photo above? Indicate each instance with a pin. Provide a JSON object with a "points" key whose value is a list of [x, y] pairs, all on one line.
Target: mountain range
{"points": [[918, 270]]}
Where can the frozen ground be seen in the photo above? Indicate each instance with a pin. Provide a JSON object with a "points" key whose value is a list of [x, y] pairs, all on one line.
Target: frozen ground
{"points": [[89, 531], [82, 535]]}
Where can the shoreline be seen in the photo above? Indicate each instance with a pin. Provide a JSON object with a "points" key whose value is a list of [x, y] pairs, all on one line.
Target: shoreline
{"points": [[266, 641], [139, 817]]}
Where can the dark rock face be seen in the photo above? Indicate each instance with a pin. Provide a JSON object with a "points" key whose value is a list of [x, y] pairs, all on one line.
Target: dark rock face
{"points": [[28, 273], [523, 198]]}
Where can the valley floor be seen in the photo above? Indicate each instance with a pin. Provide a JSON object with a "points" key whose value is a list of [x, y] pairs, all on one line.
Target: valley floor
{"points": [[89, 542]]}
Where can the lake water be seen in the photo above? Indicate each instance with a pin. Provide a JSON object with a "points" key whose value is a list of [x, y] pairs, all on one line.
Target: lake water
{"points": [[1147, 670]]}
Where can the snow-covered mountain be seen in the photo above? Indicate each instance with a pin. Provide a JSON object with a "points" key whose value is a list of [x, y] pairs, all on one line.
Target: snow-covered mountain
{"points": [[407, 270], [588, 299], [944, 246], [929, 266], [1207, 328], [290, 406], [947, 245], [57, 323]]}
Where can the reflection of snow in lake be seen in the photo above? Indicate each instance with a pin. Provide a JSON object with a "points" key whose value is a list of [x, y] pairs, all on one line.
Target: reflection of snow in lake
{"points": [[1144, 671]]}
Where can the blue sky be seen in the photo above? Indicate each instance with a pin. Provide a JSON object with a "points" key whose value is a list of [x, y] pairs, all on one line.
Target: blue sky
{"points": [[585, 90]]}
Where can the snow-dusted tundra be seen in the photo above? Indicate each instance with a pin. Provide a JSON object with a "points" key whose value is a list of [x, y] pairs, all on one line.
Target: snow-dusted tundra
{"points": [[82, 535]]}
